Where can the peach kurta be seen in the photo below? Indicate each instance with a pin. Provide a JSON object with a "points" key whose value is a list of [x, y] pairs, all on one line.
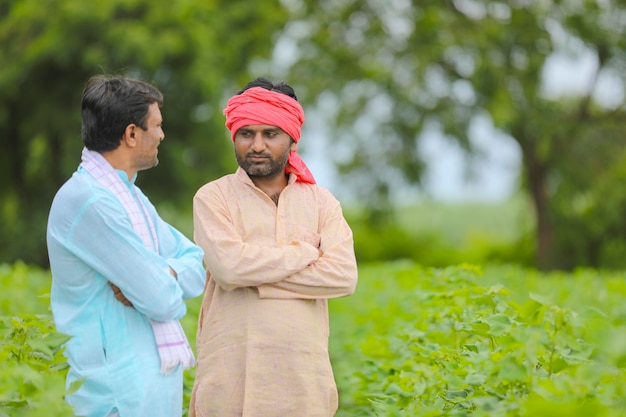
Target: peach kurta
{"points": [[262, 342]]}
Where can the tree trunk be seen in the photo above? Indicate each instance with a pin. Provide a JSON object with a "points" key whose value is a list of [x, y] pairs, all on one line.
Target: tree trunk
{"points": [[536, 175]]}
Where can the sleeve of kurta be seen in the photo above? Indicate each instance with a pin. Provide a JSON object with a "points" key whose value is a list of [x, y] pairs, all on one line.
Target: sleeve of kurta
{"points": [[102, 236], [181, 254], [334, 274], [234, 263]]}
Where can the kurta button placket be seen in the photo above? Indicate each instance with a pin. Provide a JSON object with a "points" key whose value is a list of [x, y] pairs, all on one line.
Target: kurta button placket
{"points": [[281, 233]]}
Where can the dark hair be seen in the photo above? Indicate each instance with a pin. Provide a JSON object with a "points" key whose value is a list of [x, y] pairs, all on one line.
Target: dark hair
{"points": [[109, 105], [280, 87]]}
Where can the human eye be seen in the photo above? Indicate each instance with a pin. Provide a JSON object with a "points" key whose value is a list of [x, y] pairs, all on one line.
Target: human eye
{"points": [[246, 135]]}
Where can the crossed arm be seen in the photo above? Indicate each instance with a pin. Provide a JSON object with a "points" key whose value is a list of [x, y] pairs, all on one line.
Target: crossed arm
{"points": [[304, 267], [119, 295], [138, 275]]}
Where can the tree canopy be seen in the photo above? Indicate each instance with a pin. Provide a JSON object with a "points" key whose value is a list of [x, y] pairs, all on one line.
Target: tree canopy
{"points": [[195, 52], [383, 73], [396, 69]]}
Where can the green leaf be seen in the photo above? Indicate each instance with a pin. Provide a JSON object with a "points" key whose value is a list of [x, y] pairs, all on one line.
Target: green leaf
{"points": [[512, 371], [499, 324], [394, 389], [481, 328], [541, 299]]}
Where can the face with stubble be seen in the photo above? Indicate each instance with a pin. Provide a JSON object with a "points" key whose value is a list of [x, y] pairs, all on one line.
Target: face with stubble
{"points": [[262, 150], [149, 139]]}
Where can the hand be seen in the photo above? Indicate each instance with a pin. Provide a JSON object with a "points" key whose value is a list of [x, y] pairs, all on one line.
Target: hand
{"points": [[173, 273], [119, 295]]}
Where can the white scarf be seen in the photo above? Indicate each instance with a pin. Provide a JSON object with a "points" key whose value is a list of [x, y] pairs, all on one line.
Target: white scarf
{"points": [[170, 337]]}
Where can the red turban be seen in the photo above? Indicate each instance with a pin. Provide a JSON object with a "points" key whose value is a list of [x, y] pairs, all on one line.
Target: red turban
{"points": [[258, 105]]}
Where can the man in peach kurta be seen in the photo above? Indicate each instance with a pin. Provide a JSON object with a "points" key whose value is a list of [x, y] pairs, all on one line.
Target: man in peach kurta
{"points": [[277, 247]]}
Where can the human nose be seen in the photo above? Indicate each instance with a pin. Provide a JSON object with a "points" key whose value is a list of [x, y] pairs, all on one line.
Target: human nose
{"points": [[258, 144]]}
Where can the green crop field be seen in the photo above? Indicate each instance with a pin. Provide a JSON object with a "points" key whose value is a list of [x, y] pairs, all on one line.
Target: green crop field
{"points": [[492, 341], [412, 341]]}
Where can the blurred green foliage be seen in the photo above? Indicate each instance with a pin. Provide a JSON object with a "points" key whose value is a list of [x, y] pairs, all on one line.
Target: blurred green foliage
{"points": [[193, 51], [32, 365], [463, 341], [382, 75], [500, 340], [440, 234], [592, 225], [394, 72]]}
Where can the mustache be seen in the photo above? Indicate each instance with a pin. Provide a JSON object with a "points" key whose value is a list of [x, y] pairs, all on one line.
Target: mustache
{"points": [[261, 154]]}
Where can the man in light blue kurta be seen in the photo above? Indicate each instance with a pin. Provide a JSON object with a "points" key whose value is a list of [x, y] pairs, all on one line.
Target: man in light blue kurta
{"points": [[95, 253]]}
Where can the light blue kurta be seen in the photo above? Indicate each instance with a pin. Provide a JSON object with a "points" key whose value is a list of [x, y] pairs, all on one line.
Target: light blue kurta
{"points": [[91, 242]]}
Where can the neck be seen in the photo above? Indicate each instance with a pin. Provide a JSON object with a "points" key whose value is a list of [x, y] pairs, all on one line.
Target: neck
{"points": [[117, 161], [271, 186]]}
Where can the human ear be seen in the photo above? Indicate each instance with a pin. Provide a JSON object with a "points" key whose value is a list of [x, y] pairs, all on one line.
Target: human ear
{"points": [[129, 135]]}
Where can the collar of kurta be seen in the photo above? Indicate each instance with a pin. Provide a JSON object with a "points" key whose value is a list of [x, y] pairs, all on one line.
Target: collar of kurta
{"points": [[243, 176]]}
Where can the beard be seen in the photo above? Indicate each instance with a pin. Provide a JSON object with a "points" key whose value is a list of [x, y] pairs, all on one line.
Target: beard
{"points": [[145, 162], [267, 168]]}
